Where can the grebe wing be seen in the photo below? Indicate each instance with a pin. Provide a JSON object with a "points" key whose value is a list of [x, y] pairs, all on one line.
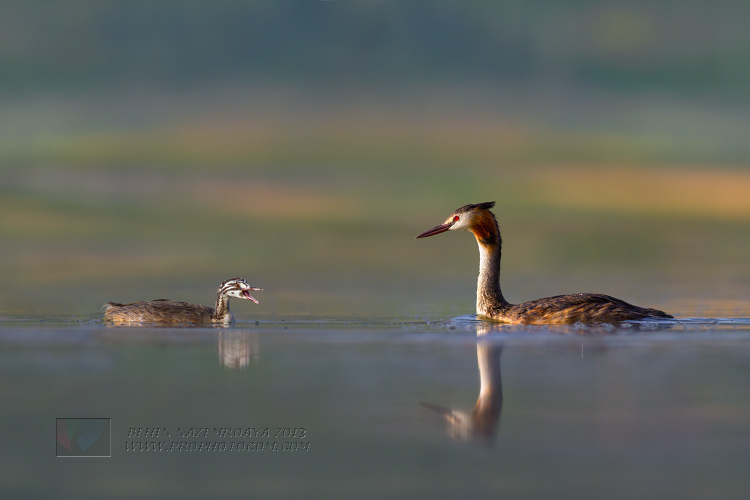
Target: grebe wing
{"points": [[582, 308], [599, 298], [160, 311]]}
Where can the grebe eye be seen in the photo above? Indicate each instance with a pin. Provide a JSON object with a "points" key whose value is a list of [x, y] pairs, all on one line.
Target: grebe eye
{"points": [[455, 218]]}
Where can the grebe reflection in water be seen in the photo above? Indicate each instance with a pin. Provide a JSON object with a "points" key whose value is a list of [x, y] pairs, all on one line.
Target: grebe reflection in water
{"points": [[480, 424]]}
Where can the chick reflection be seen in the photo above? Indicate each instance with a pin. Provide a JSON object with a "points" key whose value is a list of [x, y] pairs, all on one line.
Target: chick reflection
{"points": [[480, 424], [237, 348]]}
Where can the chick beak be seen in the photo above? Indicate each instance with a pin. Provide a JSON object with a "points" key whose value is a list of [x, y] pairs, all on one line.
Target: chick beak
{"points": [[247, 295]]}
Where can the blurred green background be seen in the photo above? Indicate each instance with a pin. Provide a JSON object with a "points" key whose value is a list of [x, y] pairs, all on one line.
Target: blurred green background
{"points": [[153, 149]]}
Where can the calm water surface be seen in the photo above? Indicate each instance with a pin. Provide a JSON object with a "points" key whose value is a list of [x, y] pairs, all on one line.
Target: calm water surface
{"points": [[342, 408]]}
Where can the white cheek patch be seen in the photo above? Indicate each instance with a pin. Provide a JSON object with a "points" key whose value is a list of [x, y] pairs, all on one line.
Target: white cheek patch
{"points": [[460, 224]]}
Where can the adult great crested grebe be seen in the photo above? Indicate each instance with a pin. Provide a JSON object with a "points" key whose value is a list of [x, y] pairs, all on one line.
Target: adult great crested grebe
{"points": [[165, 311], [587, 308]]}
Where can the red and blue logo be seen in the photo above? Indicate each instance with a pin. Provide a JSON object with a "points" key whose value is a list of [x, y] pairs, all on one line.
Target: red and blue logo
{"points": [[84, 437]]}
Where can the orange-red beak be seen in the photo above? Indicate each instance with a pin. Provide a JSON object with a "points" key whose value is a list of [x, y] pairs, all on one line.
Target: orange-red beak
{"points": [[435, 230], [247, 295]]}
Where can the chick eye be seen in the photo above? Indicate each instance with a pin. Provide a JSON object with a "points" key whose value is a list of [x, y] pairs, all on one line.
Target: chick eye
{"points": [[455, 218]]}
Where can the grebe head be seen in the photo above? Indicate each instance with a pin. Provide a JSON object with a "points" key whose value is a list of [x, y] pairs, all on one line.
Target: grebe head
{"points": [[476, 218], [237, 287]]}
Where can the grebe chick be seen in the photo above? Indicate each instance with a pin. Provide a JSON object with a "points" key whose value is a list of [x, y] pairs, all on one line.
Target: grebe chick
{"points": [[171, 312], [587, 308]]}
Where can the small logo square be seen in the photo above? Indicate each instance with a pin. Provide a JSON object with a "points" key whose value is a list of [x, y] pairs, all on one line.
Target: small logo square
{"points": [[84, 437]]}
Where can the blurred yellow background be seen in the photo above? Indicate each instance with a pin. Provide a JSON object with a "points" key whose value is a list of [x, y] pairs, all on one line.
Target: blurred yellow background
{"points": [[152, 150]]}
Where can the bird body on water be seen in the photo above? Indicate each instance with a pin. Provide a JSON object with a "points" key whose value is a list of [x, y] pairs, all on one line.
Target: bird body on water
{"points": [[165, 311], [586, 308]]}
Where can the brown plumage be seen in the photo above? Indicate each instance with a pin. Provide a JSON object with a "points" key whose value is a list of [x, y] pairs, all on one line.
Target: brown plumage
{"points": [[171, 312], [587, 308]]}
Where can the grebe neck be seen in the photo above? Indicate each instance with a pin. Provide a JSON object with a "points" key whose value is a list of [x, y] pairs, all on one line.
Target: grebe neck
{"points": [[489, 295], [222, 314]]}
